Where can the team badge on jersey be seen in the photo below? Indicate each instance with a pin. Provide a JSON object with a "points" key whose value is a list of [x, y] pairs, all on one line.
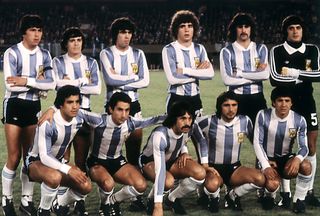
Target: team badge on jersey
{"points": [[292, 132], [88, 74], [134, 67], [196, 61], [308, 65], [240, 137], [257, 62], [40, 70]]}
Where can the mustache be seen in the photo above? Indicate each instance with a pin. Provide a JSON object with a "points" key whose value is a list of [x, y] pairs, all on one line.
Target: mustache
{"points": [[243, 34], [186, 126]]}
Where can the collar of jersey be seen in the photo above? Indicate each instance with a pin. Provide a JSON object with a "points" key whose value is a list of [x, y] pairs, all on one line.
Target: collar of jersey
{"points": [[241, 48], [111, 123], [228, 124], [72, 60], [25, 50], [291, 50], [274, 115], [119, 52], [183, 47], [60, 119], [172, 134]]}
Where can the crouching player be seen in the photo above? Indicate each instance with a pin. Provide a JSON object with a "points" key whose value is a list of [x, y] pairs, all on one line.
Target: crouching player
{"points": [[225, 132], [165, 158], [44, 160], [106, 163], [276, 130]]}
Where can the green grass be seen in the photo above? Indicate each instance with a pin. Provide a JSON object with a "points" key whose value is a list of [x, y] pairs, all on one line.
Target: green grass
{"points": [[153, 100]]}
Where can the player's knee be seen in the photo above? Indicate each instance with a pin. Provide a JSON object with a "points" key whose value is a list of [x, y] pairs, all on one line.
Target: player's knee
{"points": [[259, 179], [199, 173], [272, 185], [85, 188], [140, 185], [212, 185], [107, 184], [305, 167], [53, 179], [169, 184], [14, 160]]}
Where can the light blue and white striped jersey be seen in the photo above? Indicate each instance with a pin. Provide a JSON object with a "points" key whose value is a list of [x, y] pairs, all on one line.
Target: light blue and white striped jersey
{"points": [[109, 137], [164, 146], [124, 71], [83, 73], [20, 62], [225, 138], [174, 56], [275, 137], [52, 139], [239, 67]]}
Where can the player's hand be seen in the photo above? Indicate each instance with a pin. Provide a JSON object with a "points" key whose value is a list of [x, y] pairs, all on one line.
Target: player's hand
{"points": [[179, 70], [112, 70], [40, 77], [77, 175], [16, 81], [212, 170], [204, 65], [273, 164], [182, 160], [47, 115], [292, 167], [270, 173], [158, 209], [262, 66]]}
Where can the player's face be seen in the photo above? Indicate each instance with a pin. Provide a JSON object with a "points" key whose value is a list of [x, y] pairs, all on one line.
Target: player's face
{"points": [[229, 110], [294, 33], [123, 39], [243, 32], [74, 46], [282, 106], [185, 32], [183, 124], [32, 37], [120, 113], [70, 107]]}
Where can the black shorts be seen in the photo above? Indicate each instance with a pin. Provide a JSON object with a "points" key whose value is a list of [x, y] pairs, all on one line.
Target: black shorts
{"points": [[281, 162], [135, 108], [226, 171], [111, 165], [20, 112], [306, 106], [251, 104], [143, 160], [194, 101]]}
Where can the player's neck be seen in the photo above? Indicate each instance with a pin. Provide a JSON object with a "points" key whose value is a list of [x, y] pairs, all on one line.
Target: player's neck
{"points": [[28, 46], [244, 43], [74, 56], [295, 45], [122, 49]]}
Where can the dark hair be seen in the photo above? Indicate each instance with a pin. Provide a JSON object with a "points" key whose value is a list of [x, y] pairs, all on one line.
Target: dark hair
{"points": [[293, 20], [122, 23], [176, 110], [224, 96], [65, 92], [71, 33], [238, 20], [183, 16], [280, 91], [118, 96], [30, 21]]}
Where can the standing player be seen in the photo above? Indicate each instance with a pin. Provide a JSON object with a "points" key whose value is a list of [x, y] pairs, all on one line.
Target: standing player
{"points": [[296, 64], [276, 130], [106, 163], [27, 71], [51, 141], [185, 62], [165, 158], [243, 65], [225, 132], [74, 68]]}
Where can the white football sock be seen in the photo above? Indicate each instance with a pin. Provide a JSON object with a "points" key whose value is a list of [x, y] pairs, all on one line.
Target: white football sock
{"points": [[210, 194], [48, 194], [245, 188], [302, 185], [105, 196], [7, 178], [285, 185], [313, 161], [69, 197], [185, 186], [26, 187], [125, 193]]}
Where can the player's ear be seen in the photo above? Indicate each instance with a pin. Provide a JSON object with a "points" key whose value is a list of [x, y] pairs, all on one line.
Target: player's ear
{"points": [[110, 109]]}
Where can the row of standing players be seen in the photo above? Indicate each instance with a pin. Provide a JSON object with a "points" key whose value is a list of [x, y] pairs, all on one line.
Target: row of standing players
{"points": [[29, 73]]}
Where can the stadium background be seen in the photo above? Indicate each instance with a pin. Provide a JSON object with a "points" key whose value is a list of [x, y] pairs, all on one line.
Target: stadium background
{"points": [[152, 19]]}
